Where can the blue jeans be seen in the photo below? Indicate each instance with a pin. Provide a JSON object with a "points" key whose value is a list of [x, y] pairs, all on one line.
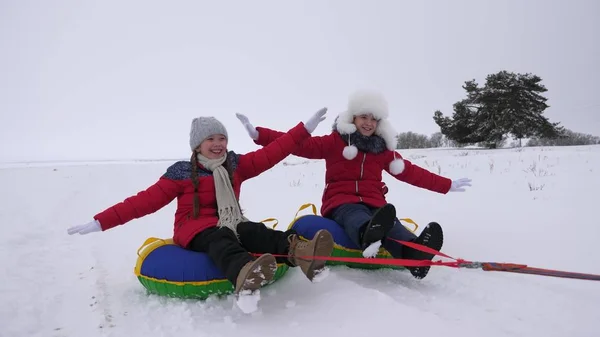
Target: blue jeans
{"points": [[354, 216]]}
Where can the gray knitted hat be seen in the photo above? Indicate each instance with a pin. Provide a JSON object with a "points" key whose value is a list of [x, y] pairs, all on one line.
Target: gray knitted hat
{"points": [[204, 127]]}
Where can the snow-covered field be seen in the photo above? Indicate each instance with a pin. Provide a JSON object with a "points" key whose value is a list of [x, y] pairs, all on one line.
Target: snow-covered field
{"points": [[536, 206]]}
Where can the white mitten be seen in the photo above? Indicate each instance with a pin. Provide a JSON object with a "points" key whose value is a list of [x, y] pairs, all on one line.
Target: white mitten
{"points": [[92, 226], [457, 185], [312, 123], [249, 127]]}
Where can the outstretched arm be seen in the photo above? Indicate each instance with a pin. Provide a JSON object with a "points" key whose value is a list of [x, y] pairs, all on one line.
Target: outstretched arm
{"points": [[316, 147], [418, 176], [145, 202], [312, 148], [254, 163]]}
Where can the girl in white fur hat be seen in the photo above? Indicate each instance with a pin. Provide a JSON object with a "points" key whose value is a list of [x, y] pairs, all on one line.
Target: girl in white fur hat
{"points": [[357, 151]]}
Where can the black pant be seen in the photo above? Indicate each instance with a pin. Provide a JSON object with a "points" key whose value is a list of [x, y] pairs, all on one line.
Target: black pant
{"points": [[231, 254]]}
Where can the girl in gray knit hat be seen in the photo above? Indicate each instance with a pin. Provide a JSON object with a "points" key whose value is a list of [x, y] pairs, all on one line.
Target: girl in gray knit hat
{"points": [[208, 217]]}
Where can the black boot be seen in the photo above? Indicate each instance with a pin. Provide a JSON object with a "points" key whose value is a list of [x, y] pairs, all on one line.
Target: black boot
{"points": [[432, 237], [380, 224]]}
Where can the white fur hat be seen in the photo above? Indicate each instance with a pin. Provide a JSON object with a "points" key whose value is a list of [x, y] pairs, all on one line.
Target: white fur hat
{"points": [[369, 102]]}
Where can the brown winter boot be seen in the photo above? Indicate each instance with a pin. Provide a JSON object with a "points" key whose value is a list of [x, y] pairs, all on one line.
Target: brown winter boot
{"points": [[255, 274], [320, 245]]}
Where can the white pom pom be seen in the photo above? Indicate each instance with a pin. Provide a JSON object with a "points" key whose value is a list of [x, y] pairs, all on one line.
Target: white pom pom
{"points": [[397, 166], [350, 152]]}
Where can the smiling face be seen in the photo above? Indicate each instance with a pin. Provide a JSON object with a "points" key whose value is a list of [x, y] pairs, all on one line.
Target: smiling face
{"points": [[213, 147], [365, 124]]}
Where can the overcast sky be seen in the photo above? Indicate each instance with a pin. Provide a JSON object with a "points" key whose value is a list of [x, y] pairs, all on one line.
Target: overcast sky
{"points": [[84, 80]]}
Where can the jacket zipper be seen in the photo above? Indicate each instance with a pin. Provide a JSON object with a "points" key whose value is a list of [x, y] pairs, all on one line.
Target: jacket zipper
{"points": [[362, 167]]}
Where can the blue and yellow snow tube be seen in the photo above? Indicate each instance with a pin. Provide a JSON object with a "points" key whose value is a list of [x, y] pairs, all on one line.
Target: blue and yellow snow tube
{"points": [[165, 268], [308, 225]]}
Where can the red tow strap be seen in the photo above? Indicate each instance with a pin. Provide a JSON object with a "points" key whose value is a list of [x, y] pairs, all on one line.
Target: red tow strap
{"points": [[389, 261], [457, 263]]}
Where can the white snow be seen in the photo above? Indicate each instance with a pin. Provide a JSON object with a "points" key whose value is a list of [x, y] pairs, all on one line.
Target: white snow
{"points": [[321, 275], [372, 250], [536, 206], [247, 301]]}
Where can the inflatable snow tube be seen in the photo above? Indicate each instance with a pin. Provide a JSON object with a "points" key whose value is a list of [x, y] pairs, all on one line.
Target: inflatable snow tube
{"points": [[308, 225], [167, 269]]}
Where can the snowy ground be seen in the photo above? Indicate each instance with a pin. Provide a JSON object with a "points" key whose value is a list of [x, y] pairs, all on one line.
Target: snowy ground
{"points": [[535, 206]]}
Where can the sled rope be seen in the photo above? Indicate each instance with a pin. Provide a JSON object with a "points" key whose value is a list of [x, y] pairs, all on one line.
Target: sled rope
{"points": [[456, 263], [505, 267]]}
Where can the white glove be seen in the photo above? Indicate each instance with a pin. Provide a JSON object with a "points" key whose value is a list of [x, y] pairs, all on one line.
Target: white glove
{"points": [[249, 127], [93, 226], [312, 122], [458, 184]]}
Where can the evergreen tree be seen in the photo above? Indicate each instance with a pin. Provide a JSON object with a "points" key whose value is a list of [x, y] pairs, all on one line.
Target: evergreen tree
{"points": [[508, 104]]}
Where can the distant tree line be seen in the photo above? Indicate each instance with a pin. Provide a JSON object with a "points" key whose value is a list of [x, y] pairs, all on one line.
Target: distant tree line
{"points": [[413, 140], [569, 138]]}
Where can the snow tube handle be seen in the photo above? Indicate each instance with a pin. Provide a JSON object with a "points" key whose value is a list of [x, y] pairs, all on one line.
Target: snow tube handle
{"points": [[305, 206], [412, 222], [147, 242], [271, 219]]}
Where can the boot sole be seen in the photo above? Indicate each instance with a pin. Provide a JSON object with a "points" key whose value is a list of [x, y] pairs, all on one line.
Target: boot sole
{"points": [[382, 222], [262, 272], [323, 247], [434, 239]]}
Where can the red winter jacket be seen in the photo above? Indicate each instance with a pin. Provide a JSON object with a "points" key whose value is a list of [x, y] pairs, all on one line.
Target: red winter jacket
{"points": [[177, 183], [358, 180]]}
